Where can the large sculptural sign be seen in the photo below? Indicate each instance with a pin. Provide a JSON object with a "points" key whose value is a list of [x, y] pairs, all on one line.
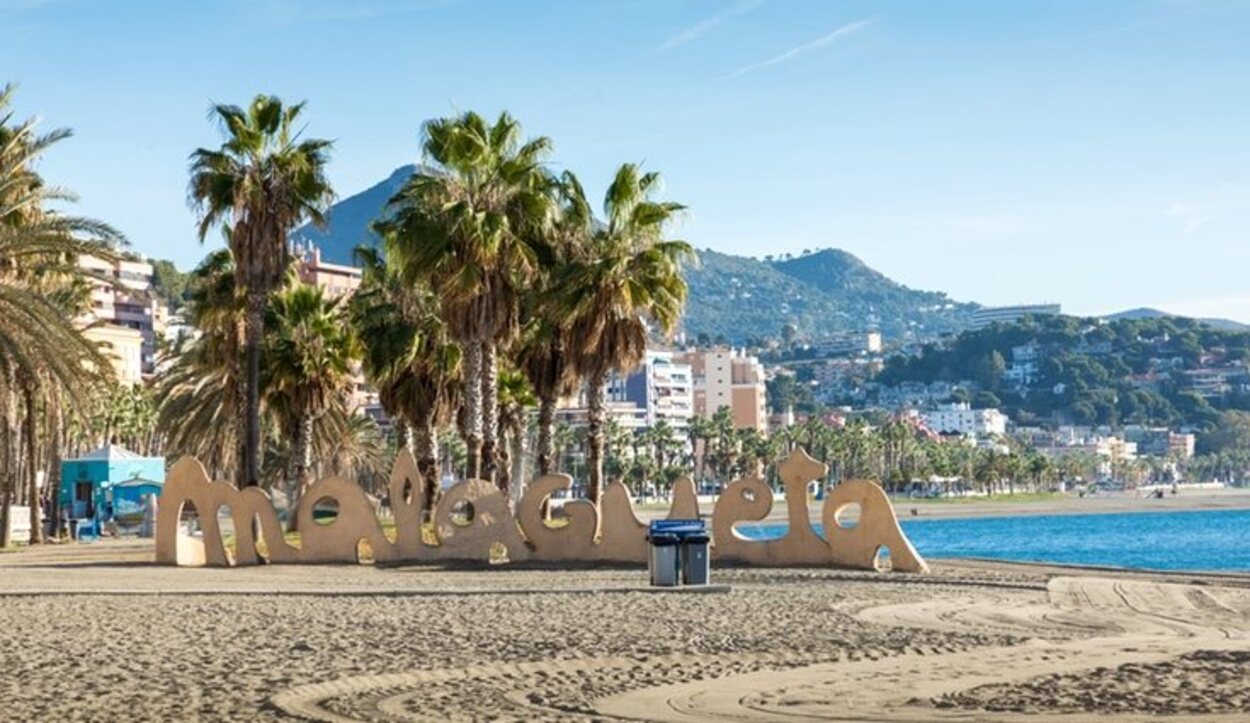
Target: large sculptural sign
{"points": [[473, 517]]}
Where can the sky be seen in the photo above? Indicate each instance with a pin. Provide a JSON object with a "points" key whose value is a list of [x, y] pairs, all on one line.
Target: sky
{"points": [[1094, 153]]}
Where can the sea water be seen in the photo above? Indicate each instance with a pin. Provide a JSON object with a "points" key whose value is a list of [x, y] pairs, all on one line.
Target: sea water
{"points": [[1179, 540]]}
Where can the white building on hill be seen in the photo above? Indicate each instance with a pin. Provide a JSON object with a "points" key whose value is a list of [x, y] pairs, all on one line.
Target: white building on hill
{"points": [[961, 419], [987, 315]]}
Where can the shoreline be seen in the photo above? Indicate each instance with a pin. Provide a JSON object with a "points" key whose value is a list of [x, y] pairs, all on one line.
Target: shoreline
{"points": [[1235, 498], [1107, 503]]}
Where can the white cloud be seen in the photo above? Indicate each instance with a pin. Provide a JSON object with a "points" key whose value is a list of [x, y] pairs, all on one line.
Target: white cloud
{"points": [[703, 27], [792, 53], [1227, 201]]}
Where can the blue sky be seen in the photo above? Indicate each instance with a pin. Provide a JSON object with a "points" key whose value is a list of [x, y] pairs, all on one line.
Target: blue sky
{"points": [[1089, 152]]}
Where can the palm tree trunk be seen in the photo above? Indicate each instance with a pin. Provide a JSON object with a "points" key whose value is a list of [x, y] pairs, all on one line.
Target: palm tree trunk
{"points": [[254, 334], [291, 476], [56, 443], [236, 403], [32, 440], [517, 471], [490, 412], [426, 451], [546, 433], [301, 464], [594, 437], [9, 469], [503, 475], [403, 436], [303, 454], [473, 408]]}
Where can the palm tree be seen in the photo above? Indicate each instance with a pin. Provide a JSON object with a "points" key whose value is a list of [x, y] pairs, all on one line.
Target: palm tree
{"points": [[199, 395], [469, 228], [262, 182], [350, 445], [542, 354], [699, 432], [308, 368], [39, 346], [516, 398], [408, 357], [625, 275], [343, 444]]}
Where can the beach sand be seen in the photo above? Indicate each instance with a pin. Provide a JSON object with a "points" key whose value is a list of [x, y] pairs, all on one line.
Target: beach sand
{"points": [[95, 632]]}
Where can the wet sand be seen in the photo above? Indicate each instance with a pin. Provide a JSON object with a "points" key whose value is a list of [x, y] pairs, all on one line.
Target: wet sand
{"points": [[1004, 506], [1072, 504], [94, 632]]}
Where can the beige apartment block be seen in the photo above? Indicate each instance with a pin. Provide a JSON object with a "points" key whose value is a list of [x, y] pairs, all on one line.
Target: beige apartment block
{"points": [[725, 377], [335, 279], [124, 346], [122, 295]]}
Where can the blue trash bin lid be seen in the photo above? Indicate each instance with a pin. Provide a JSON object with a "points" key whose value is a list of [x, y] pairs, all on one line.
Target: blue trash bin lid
{"points": [[662, 540], [680, 528], [696, 538]]}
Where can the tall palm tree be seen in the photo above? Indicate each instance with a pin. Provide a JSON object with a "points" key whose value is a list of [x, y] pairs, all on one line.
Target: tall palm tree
{"points": [[308, 368], [468, 227], [408, 356], [39, 345], [626, 275], [262, 182], [542, 354]]}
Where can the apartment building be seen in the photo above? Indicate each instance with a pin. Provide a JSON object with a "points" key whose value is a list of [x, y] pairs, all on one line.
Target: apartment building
{"points": [[661, 387], [987, 315], [335, 279], [725, 377], [1160, 441], [124, 348], [122, 295], [960, 418], [848, 343]]}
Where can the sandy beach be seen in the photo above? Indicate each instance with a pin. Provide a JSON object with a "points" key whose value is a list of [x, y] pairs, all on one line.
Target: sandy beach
{"points": [[96, 632]]}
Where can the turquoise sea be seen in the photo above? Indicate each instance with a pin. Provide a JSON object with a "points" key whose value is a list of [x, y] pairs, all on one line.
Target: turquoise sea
{"points": [[1215, 540]]}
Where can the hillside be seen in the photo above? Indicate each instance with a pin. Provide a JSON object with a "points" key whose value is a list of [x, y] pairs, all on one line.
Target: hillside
{"points": [[731, 297], [1148, 313], [828, 291], [1169, 371]]}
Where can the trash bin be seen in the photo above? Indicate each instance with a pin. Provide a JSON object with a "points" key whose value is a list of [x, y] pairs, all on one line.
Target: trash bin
{"points": [[695, 567], [662, 560]]}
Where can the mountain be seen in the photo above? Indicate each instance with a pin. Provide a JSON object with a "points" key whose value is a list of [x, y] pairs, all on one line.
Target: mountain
{"points": [[829, 291], [347, 223], [1148, 313], [731, 297]]}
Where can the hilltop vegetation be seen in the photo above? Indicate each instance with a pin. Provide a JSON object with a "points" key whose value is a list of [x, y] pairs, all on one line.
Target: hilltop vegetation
{"points": [[743, 299], [738, 299], [1167, 371]]}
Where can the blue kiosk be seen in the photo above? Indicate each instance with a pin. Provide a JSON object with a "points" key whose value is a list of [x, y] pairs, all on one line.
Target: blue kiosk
{"points": [[109, 484]]}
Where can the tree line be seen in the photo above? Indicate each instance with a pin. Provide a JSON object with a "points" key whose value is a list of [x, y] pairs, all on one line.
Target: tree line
{"points": [[496, 286]]}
